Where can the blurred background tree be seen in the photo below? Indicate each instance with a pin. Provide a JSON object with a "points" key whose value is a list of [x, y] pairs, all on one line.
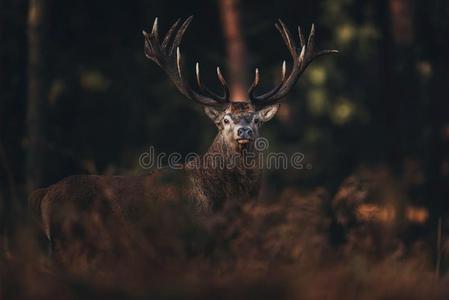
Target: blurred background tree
{"points": [[235, 48], [37, 93]]}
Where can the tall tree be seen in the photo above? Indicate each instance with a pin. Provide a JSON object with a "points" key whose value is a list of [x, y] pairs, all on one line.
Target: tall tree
{"points": [[37, 92], [396, 21], [235, 47]]}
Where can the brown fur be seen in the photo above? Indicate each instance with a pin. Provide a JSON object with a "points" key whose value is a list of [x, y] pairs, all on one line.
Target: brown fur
{"points": [[89, 207], [213, 187]]}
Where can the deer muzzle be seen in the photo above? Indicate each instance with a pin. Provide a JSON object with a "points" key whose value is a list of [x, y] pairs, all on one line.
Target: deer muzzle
{"points": [[244, 135]]}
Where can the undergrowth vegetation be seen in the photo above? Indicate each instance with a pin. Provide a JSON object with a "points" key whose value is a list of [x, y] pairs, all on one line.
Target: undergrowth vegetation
{"points": [[354, 244]]}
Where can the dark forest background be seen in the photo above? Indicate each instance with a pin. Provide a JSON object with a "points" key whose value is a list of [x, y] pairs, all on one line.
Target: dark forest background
{"points": [[78, 96]]}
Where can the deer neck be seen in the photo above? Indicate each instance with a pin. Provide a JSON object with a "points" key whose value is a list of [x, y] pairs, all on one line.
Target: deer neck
{"points": [[229, 152], [225, 174]]}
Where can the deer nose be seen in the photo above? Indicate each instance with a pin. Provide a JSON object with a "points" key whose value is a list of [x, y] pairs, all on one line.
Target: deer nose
{"points": [[245, 133]]}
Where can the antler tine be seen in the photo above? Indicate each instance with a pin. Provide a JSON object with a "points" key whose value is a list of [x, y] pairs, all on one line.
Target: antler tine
{"points": [[224, 84], [255, 83], [274, 90], [168, 56], [180, 34], [185, 87], [204, 89], [179, 64], [154, 30], [311, 40], [287, 36], [169, 34], [301, 37], [197, 73], [284, 69], [300, 62], [152, 48]]}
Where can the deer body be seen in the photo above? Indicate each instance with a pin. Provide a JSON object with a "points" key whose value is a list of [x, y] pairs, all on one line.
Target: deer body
{"points": [[112, 203], [84, 208]]}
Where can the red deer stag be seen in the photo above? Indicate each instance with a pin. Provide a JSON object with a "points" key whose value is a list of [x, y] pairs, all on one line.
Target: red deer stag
{"points": [[62, 206]]}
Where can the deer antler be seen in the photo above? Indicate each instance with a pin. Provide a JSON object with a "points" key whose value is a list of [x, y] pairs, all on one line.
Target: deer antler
{"points": [[168, 57], [301, 60]]}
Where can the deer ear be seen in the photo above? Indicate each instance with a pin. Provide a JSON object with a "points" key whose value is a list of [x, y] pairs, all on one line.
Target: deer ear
{"points": [[267, 113], [214, 114]]}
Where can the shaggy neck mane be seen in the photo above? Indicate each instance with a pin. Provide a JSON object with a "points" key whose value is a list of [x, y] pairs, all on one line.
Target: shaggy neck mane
{"points": [[219, 146], [225, 175]]}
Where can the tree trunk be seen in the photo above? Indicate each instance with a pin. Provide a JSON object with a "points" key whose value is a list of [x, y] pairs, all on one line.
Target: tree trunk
{"points": [[396, 21], [37, 93], [235, 48]]}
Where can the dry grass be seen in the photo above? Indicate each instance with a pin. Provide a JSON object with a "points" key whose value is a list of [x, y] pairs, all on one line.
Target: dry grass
{"points": [[265, 250]]}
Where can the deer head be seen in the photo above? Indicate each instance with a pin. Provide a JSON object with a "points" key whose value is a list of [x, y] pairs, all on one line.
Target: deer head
{"points": [[237, 120]]}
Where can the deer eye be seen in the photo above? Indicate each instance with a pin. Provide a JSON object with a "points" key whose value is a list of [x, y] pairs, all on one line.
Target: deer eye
{"points": [[226, 121], [256, 121]]}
